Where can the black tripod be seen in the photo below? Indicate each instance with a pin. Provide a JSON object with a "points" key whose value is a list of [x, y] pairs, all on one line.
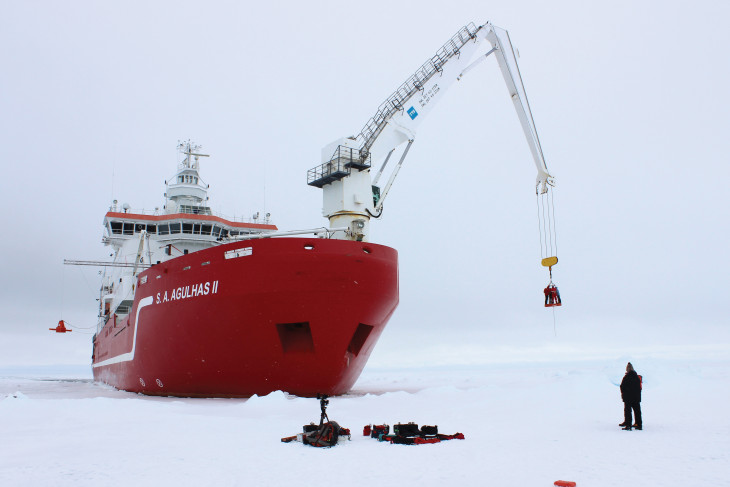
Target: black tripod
{"points": [[323, 402]]}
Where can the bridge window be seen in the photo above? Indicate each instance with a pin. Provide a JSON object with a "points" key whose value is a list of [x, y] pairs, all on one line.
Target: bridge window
{"points": [[116, 227]]}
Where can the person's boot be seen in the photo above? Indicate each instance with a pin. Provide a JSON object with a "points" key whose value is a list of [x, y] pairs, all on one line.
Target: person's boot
{"points": [[637, 426], [627, 428], [623, 424]]}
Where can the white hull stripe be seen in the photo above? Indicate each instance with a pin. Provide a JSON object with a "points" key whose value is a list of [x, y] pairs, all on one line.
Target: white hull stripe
{"points": [[126, 357]]}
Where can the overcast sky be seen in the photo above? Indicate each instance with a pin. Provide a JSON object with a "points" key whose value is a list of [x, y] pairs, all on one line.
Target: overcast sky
{"points": [[630, 101]]}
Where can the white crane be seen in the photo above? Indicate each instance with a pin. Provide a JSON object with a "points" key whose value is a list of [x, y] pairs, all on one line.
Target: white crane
{"points": [[351, 195]]}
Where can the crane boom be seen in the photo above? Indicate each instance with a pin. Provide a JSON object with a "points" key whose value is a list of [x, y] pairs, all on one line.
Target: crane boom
{"points": [[350, 197], [511, 72]]}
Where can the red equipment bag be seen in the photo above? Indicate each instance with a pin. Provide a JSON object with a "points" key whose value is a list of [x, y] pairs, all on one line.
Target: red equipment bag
{"points": [[325, 436]]}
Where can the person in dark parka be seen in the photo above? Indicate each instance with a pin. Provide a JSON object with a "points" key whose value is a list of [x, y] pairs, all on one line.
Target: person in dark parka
{"points": [[631, 395]]}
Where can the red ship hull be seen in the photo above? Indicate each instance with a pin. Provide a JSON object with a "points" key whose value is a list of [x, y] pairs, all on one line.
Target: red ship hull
{"points": [[251, 317]]}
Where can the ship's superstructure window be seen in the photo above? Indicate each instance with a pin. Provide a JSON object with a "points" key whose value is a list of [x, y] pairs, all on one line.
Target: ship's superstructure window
{"points": [[130, 228], [207, 229], [195, 210], [188, 179]]}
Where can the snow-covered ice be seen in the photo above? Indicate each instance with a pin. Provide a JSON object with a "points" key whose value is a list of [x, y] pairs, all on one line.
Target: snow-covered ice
{"points": [[526, 424]]}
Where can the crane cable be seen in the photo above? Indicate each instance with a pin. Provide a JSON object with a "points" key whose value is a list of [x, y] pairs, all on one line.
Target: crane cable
{"points": [[548, 242], [63, 288], [63, 302], [546, 223]]}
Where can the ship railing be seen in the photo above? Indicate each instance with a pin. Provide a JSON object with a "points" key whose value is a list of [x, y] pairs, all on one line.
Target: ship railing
{"points": [[176, 230], [394, 103], [193, 210], [320, 232], [339, 166]]}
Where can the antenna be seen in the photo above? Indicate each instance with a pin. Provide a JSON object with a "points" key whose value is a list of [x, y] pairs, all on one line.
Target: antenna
{"points": [[266, 163], [189, 148], [113, 161]]}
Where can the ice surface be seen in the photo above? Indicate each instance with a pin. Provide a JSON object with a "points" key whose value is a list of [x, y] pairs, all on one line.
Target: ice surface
{"points": [[525, 425]]}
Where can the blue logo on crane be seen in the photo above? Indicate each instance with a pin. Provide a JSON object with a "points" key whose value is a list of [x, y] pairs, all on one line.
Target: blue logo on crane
{"points": [[412, 113]]}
